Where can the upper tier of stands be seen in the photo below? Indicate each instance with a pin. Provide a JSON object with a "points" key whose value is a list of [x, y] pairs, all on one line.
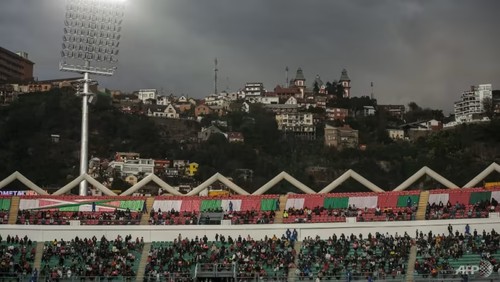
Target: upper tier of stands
{"points": [[239, 209], [462, 203]]}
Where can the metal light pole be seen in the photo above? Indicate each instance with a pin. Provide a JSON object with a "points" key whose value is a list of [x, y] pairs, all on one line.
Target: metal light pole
{"points": [[90, 46]]}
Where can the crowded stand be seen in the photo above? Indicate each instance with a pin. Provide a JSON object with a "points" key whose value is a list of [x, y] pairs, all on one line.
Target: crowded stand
{"points": [[267, 258], [347, 257], [172, 217], [456, 204], [103, 210], [17, 256], [4, 216], [441, 255], [51, 217], [376, 256], [91, 258], [321, 208], [174, 210], [250, 217]]}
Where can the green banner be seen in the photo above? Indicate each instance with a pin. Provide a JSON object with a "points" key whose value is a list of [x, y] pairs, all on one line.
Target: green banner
{"points": [[69, 208], [268, 204], [207, 205], [403, 200], [477, 197], [4, 204], [132, 205], [336, 203]]}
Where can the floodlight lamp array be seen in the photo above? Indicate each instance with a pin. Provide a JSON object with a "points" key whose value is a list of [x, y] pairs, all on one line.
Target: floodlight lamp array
{"points": [[92, 30], [97, 70]]}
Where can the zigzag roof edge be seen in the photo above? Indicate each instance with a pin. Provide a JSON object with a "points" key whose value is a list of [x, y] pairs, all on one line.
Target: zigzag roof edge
{"points": [[268, 185], [299, 185], [203, 185], [482, 175], [231, 185], [69, 186], [23, 179], [99, 186], [337, 182], [438, 177], [410, 180], [365, 182]]}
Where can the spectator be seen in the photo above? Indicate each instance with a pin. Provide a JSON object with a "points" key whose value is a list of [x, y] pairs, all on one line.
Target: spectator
{"points": [[34, 275]]}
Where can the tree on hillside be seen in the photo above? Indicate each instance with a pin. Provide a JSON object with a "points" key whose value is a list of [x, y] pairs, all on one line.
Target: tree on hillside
{"points": [[416, 113], [489, 107], [315, 88], [357, 104], [336, 89]]}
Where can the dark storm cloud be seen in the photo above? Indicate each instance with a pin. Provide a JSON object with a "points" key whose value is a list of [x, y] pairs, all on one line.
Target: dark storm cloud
{"points": [[422, 51]]}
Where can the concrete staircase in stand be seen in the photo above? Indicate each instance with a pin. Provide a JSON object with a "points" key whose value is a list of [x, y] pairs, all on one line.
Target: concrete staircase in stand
{"points": [[411, 264], [422, 205], [291, 270], [278, 217], [38, 256], [144, 261], [149, 206], [14, 208]]}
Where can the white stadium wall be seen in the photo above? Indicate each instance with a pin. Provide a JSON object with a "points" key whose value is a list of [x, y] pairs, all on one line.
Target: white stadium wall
{"points": [[170, 232]]}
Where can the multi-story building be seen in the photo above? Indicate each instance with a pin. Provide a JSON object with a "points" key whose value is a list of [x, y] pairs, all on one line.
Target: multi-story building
{"points": [[7, 94], [133, 166], [217, 100], [396, 134], [147, 94], [253, 89], [202, 110], [470, 106], [341, 137], [267, 99], [337, 114], [397, 111], [298, 124], [15, 67], [284, 93], [496, 101], [47, 85], [168, 111], [368, 111]]}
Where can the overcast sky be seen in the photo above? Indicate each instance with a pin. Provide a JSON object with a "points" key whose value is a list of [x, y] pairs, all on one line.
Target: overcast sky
{"points": [[422, 51]]}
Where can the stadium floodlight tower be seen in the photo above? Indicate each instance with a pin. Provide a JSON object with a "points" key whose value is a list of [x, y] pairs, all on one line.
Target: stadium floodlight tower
{"points": [[90, 46]]}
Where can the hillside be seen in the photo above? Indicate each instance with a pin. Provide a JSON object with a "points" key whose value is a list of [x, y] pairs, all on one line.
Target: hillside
{"points": [[26, 146]]}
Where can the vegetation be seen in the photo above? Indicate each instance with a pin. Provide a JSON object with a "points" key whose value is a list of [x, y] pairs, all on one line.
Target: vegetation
{"points": [[26, 146]]}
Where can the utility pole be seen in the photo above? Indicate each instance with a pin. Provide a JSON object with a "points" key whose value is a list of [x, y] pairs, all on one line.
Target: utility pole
{"points": [[286, 76], [371, 95], [215, 76]]}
